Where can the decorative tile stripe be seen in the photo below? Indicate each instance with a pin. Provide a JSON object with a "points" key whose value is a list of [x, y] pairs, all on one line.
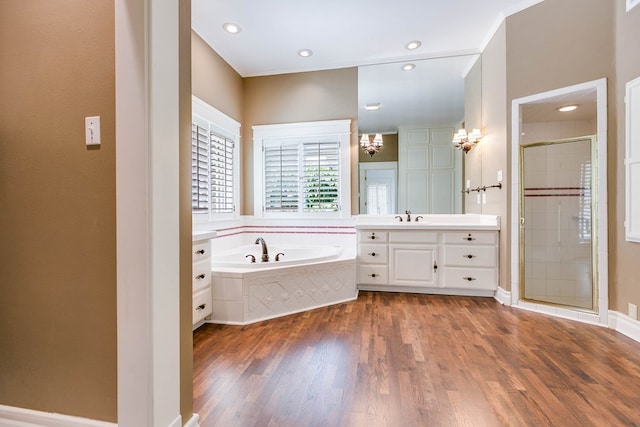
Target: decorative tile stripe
{"points": [[284, 229], [550, 191]]}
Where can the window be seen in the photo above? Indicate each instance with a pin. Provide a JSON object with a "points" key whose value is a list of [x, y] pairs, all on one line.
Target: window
{"points": [[302, 169], [214, 162]]}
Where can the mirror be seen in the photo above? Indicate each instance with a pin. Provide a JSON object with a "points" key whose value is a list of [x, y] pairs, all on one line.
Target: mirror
{"points": [[428, 99]]}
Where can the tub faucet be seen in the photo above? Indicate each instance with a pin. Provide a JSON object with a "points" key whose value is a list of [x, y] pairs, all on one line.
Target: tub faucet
{"points": [[265, 252], [408, 215]]}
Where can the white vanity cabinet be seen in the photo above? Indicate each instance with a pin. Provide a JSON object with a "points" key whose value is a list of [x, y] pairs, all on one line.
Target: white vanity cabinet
{"points": [[413, 258], [373, 257], [201, 280], [470, 260], [429, 258]]}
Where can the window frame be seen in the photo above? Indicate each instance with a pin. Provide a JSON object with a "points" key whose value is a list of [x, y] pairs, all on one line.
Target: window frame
{"points": [[216, 122], [298, 134], [632, 160]]}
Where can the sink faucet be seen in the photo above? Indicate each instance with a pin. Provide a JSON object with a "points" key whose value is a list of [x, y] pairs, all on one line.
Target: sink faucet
{"points": [[408, 215], [265, 252]]}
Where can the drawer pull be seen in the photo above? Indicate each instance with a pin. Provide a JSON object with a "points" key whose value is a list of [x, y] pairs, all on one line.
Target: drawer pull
{"points": [[372, 254], [435, 266], [469, 238], [200, 252], [469, 256], [373, 275], [468, 279], [201, 307], [200, 276], [373, 236]]}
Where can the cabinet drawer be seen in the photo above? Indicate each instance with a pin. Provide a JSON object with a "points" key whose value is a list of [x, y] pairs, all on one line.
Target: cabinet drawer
{"points": [[470, 256], [201, 250], [469, 278], [373, 274], [201, 305], [372, 254], [372, 236], [201, 274], [413, 236], [470, 237]]}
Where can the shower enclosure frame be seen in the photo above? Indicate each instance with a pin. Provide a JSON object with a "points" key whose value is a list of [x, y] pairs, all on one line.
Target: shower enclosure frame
{"points": [[594, 222], [600, 214]]}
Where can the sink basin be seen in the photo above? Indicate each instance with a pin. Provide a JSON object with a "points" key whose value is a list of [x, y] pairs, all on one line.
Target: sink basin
{"points": [[435, 221]]}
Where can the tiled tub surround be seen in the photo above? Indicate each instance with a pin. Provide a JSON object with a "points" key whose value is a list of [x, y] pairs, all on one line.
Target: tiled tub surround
{"points": [[242, 295]]}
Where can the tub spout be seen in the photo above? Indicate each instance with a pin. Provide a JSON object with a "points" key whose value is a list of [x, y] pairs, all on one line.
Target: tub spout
{"points": [[265, 251]]}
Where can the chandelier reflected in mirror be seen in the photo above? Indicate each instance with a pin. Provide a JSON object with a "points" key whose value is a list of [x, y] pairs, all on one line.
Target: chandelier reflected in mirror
{"points": [[371, 146]]}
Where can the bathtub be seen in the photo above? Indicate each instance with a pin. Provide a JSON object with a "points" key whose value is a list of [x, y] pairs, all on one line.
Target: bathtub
{"points": [[289, 255], [305, 278]]}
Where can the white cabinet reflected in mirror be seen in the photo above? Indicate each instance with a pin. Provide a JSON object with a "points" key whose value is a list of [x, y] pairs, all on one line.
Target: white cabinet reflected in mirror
{"points": [[417, 111]]}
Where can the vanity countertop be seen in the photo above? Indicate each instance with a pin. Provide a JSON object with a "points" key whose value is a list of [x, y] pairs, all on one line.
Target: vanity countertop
{"points": [[198, 236], [429, 222]]}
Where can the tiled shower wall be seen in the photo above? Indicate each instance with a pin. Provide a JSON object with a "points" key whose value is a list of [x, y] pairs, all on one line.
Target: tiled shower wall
{"points": [[557, 208]]}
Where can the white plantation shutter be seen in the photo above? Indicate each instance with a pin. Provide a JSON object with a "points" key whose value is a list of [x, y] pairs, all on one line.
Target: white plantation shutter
{"points": [[321, 176], [221, 169], [199, 169], [281, 178], [211, 172], [302, 169]]}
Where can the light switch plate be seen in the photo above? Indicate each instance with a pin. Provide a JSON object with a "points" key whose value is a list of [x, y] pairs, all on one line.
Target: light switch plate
{"points": [[500, 175], [92, 130]]}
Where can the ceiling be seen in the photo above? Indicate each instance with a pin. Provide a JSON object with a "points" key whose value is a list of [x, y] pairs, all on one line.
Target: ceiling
{"points": [[546, 110], [345, 33], [371, 35]]}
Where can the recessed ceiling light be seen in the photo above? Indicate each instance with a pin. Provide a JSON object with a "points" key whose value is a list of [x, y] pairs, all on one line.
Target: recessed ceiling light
{"points": [[567, 108], [231, 28], [413, 45], [305, 53], [372, 107], [408, 67]]}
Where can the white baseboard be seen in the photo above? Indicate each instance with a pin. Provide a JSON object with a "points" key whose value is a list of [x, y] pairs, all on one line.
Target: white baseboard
{"points": [[625, 325], [503, 296], [11, 416], [193, 421]]}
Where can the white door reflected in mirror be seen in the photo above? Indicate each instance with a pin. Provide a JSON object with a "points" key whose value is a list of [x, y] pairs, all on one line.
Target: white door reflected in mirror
{"points": [[378, 183]]}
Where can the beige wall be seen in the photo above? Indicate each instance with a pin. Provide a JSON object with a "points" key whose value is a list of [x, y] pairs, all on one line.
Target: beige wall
{"points": [[301, 97], [493, 147], [623, 256], [214, 81], [554, 44], [58, 269]]}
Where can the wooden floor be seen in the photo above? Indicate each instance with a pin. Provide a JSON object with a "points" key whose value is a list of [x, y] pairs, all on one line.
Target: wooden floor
{"points": [[415, 360]]}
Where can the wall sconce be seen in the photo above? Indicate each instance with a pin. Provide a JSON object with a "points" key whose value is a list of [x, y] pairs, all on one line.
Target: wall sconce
{"points": [[466, 142], [371, 147]]}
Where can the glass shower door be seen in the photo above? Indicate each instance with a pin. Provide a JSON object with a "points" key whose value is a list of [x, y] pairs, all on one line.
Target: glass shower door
{"points": [[556, 217]]}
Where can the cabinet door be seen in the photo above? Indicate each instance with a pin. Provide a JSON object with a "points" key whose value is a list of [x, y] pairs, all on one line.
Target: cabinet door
{"points": [[412, 265]]}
